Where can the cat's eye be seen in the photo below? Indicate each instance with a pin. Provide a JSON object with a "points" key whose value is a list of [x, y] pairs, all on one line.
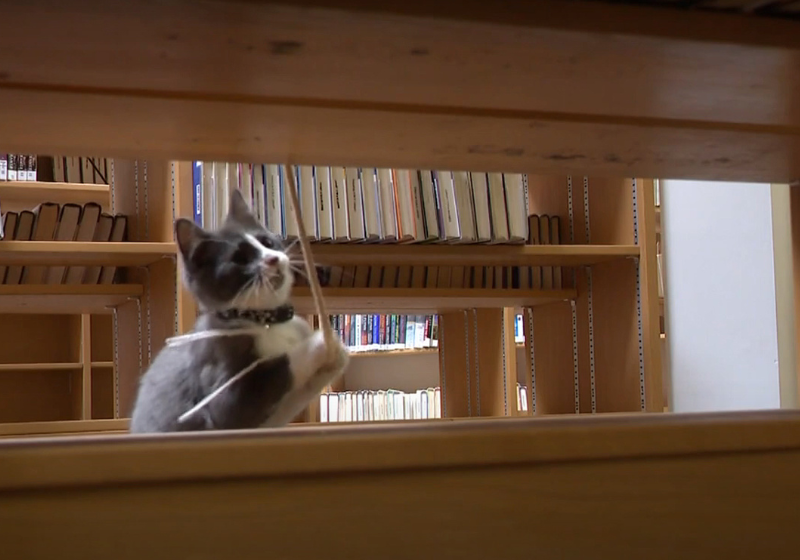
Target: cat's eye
{"points": [[265, 241], [244, 254]]}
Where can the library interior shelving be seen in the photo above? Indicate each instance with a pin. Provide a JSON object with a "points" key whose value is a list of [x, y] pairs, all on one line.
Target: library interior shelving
{"points": [[553, 424]]}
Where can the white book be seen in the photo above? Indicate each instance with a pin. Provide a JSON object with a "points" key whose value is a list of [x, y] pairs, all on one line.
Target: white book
{"points": [[447, 204], [342, 407], [517, 207], [308, 203], [220, 193], [287, 209], [322, 178], [430, 206], [333, 407], [355, 204], [372, 206], [348, 406], [273, 191], [4, 167], [497, 202], [405, 205], [480, 197], [357, 331], [417, 202], [410, 332], [258, 194], [233, 178], [462, 189], [419, 331], [341, 230], [209, 190], [437, 403], [387, 205], [246, 182], [323, 407]]}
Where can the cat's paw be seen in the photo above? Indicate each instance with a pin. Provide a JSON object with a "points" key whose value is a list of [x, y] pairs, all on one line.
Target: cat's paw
{"points": [[334, 361]]}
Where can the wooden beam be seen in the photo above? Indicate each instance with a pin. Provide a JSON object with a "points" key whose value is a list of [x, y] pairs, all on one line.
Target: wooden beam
{"points": [[538, 86], [467, 255], [677, 480]]}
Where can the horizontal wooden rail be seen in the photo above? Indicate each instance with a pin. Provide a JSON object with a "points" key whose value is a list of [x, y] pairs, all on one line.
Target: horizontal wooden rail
{"points": [[470, 255], [695, 485], [547, 86]]}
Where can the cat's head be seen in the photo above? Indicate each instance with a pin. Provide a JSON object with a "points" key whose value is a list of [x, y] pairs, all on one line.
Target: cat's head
{"points": [[242, 265]]}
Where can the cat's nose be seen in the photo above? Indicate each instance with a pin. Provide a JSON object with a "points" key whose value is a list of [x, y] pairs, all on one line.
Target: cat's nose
{"points": [[271, 261]]}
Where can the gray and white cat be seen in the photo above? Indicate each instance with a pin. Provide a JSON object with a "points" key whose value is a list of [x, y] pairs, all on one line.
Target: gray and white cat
{"points": [[241, 277]]}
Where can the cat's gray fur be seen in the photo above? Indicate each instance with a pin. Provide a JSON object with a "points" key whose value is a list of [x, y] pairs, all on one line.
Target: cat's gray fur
{"points": [[242, 265]]}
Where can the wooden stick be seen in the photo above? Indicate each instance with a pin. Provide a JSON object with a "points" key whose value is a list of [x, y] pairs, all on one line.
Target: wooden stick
{"points": [[308, 258]]}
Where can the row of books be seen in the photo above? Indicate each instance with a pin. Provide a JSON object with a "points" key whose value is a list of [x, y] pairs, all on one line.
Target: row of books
{"points": [[544, 230], [355, 204], [391, 404], [382, 333], [72, 169], [18, 167], [365, 405], [68, 222]]}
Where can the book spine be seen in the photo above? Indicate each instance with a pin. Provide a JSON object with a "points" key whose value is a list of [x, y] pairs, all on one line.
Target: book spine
{"points": [[197, 193]]}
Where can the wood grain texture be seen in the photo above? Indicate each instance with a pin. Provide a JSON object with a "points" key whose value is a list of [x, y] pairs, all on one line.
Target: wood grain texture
{"points": [[682, 481], [693, 95], [126, 253], [423, 300], [186, 129], [470, 255], [61, 298]]}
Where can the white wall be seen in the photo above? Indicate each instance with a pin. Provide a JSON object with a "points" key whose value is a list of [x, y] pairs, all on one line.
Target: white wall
{"points": [[727, 343]]}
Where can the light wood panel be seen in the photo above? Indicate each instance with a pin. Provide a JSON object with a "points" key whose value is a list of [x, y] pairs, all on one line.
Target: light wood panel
{"points": [[186, 129], [62, 298], [84, 253], [680, 481], [413, 300], [693, 94], [470, 255], [18, 195]]}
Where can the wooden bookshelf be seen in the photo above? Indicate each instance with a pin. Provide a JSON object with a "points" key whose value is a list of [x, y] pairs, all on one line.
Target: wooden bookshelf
{"points": [[730, 81]]}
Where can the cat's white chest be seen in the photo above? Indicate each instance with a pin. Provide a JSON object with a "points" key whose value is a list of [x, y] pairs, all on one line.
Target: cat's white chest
{"points": [[282, 338]]}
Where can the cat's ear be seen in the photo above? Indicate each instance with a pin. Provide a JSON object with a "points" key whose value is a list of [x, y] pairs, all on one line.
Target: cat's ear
{"points": [[238, 210], [188, 235]]}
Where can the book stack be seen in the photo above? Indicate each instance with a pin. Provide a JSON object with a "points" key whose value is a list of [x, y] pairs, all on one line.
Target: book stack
{"points": [[364, 406], [18, 167], [386, 333], [68, 222]]}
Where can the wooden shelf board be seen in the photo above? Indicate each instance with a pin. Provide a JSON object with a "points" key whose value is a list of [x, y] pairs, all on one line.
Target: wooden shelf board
{"points": [[102, 364], [395, 353], [31, 193], [424, 300], [83, 253], [63, 428], [454, 255], [724, 109], [66, 299], [706, 470], [41, 367]]}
